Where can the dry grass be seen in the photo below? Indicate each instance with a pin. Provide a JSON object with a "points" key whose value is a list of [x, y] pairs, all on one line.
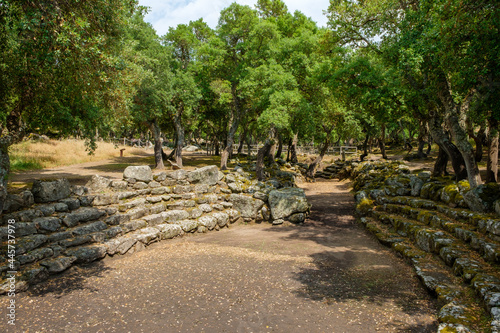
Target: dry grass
{"points": [[32, 155]]}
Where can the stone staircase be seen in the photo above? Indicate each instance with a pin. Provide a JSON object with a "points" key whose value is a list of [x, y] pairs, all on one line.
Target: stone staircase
{"points": [[455, 252]]}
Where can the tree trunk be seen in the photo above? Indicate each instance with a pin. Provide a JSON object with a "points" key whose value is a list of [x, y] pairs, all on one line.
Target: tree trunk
{"points": [[169, 156], [478, 139], [421, 141], [242, 141], [429, 145], [454, 116], [440, 137], [179, 130], [216, 147], [440, 164], [315, 164], [280, 146], [407, 144], [12, 133], [228, 150], [270, 154], [235, 122], [293, 148], [492, 163], [465, 148], [4, 172], [381, 142], [158, 152], [263, 152], [249, 147], [365, 148]]}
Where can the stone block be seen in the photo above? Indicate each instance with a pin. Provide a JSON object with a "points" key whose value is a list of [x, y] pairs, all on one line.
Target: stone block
{"points": [[59, 264], [141, 173], [50, 224], [48, 191], [97, 183], [207, 175], [168, 231], [88, 253], [188, 225], [287, 201]]}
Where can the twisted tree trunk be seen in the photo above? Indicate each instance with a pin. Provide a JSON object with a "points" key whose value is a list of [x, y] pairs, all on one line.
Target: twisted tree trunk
{"points": [[455, 114], [263, 152], [315, 164], [440, 137], [492, 163], [440, 164], [158, 151]]}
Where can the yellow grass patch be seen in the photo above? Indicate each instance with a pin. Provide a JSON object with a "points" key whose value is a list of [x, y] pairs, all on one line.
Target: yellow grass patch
{"points": [[30, 155]]}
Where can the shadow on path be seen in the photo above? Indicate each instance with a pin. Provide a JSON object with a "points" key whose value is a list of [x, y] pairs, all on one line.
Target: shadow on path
{"points": [[74, 279]]}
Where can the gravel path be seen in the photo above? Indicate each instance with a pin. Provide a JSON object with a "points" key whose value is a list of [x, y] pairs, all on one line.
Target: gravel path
{"points": [[328, 275]]}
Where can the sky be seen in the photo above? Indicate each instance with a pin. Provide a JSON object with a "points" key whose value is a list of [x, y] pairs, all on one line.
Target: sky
{"points": [[169, 13]]}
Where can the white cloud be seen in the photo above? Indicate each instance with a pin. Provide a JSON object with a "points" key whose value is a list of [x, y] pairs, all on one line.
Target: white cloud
{"points": [[164, 14]]}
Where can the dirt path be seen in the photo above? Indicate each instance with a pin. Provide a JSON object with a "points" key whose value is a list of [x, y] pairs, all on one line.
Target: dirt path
{"points": [[328, 275]]}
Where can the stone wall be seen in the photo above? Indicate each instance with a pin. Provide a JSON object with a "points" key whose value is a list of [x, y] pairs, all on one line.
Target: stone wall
{"points": [[55, 225]]}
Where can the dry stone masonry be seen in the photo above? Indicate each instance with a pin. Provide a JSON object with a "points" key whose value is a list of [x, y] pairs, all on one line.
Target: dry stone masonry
{"points": [[58, 225], [455, 250]]}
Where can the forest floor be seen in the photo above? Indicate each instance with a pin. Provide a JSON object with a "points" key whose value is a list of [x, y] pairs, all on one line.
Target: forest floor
{"points": [[327, 275]]}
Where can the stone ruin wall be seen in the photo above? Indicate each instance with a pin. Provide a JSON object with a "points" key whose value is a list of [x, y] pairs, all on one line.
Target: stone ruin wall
{"points": [[56, 225]]}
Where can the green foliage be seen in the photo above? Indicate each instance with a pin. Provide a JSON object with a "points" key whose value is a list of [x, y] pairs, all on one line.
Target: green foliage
{"points": [[62, 63]]}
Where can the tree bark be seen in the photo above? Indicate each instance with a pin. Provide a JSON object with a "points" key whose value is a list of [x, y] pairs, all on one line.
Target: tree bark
{"points": [[315, 164], [235, 122], [365, 148], [272, 151], [216, 147], [262, 153], [228, 150], [169, 156], [454, 155], [242, 141], [179, 130], [455, 115], [12, 133], [492, 163], [4, 172], [381, 142], [478, 139], [293, 148], [280, 146], [429, 145], [440, 164], [421, 141], [158, 151], [407, 144]]}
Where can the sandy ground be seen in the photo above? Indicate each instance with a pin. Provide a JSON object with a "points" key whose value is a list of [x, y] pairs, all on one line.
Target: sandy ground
{"points": [[328, 275]]}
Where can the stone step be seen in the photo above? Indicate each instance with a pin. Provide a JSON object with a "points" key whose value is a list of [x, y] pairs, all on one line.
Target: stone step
{"points": [[477, 238], [458, 312], [489, 223]]}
